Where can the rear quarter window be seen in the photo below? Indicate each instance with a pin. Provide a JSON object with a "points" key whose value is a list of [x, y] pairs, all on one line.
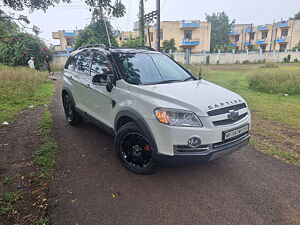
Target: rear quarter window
{"points": [[70, 63]]}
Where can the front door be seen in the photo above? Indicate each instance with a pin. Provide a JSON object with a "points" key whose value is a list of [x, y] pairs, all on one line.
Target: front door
{"points": [[101, 102]]}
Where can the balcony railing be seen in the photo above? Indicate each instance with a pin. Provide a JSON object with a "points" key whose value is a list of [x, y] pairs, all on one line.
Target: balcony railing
{"points": [[261, 28], [190, 24], [190, 42], [69, 34], [281, 40], [248, 43], [261, 42], [282, 24], [234, 33]]}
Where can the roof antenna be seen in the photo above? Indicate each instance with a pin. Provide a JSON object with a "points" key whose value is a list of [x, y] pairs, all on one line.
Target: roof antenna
{"points": [[101, 11]]}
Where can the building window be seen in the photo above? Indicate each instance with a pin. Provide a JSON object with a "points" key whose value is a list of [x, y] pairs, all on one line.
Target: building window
{"points": [[264, 34], [70, 41], [284, 32], [236, 38], [282, 47], [252, 34], [161, 35], [188, 34]]}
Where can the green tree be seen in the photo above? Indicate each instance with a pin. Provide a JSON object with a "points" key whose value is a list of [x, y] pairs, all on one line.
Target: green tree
{"points": [[95, 33], [32, 5], [18, 49], [220, 29], [169, 45], [7, 26], [297, 16]]}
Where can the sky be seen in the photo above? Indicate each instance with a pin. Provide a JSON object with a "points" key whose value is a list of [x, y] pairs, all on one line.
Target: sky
{"points": [[77, 15]]}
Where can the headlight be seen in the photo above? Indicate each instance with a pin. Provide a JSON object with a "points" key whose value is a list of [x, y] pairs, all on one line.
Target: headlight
{"points": [[176, 117]]}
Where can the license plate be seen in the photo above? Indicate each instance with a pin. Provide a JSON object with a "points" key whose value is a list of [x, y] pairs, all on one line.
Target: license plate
{"points": [[236, 132]]}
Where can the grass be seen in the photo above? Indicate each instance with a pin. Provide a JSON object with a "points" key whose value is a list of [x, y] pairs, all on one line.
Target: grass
{"points": [[279, 81], [7, 180], [20, 88], [276, 108], [8, 199], [44, 155]]}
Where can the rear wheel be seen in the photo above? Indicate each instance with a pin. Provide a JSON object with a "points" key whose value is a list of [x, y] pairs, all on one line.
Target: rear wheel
{"points": [[134, 150], [71, 115]]}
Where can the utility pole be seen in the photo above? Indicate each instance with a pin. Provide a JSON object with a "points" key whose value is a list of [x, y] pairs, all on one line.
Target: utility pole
{"points": [[142, 23], [149, 18], [158, 24], [104, 21]]}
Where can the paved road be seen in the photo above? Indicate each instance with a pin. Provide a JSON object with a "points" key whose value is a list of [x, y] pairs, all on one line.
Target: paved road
{"points": [[91, 187]]}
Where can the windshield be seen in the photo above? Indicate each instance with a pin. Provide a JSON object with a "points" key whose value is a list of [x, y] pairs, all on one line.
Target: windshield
{"points": [[143, 68]]}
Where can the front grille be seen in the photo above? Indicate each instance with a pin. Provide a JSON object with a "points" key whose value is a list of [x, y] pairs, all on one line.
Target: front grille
{"points": [[225, 110], [229, 121]]}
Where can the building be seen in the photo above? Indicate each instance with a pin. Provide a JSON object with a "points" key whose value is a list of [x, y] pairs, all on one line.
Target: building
{"points": [[190, 36], [280, 36], [66, 38], [124, 36]]}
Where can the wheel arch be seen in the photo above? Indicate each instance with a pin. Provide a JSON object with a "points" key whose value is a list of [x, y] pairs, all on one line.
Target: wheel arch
{"points": [[128, 115], [66, 91]]}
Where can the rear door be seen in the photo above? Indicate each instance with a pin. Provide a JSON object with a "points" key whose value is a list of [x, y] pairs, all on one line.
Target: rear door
{"points": [[80, 79]]}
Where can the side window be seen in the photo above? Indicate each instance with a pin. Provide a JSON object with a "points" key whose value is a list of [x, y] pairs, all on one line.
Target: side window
{"points": [[100, 65], [83, 62], [70, 63]]}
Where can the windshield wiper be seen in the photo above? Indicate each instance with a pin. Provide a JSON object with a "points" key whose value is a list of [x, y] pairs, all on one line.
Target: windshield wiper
{"points": [[167, 81], [189, 78]]}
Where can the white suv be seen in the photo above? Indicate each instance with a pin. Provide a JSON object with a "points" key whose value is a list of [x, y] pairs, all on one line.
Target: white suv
{"points": [[156, 109]]}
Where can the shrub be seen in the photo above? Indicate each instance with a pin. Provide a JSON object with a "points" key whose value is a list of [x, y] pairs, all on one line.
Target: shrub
{"points": [[280, 81], [269, 65], [296, 60], [246, 62], [287, 59], [19, 48], [207, 60]]}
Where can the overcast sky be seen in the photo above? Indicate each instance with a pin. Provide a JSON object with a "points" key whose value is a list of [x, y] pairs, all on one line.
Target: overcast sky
{"points": [[76, 14]]}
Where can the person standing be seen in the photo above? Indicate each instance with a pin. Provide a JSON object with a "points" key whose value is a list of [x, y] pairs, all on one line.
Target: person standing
{"points": [[31, 63], [47, 62]]}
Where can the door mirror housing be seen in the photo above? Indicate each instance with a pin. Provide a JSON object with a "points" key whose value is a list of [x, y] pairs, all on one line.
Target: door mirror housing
{"points": [[100, 79], [104, 80]]}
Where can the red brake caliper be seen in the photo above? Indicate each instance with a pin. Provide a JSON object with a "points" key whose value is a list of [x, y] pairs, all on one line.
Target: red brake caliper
{"points": [[147, 148]]}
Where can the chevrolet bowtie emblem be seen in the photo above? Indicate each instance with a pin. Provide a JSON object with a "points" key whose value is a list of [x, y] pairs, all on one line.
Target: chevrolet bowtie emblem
{"points": [[232, 115]]}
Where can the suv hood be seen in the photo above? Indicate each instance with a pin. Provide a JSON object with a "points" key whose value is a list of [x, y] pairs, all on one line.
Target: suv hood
{"points": [[197, 96]]}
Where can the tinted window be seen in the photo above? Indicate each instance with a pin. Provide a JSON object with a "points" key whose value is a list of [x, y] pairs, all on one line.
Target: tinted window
{"points": [[100, 65], [83, 61], [149, 68], [70, 63]]}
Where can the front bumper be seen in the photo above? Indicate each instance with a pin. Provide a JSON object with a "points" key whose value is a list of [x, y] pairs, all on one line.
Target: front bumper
{"points": [[218, 150]]}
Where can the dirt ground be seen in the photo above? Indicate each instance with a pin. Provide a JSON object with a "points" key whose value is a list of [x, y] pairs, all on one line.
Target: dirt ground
{"points": [[91, 187], [18, 140]]}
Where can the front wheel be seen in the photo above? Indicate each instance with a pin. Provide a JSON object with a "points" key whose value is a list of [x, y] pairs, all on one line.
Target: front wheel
{"points": [[134, 150]]}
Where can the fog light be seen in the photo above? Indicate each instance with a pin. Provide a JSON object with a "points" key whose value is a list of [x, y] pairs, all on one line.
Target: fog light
{"points": [[194, 142]]}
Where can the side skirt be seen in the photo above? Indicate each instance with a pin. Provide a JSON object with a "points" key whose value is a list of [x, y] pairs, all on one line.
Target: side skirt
{"points": [[98, 123]]}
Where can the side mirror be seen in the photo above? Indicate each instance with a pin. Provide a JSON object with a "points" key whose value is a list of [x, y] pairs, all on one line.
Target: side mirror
{"points": [[100, 79], [103, 80]]}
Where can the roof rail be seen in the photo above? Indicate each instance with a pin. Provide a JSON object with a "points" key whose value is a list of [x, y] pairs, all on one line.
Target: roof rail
{"points": [[95, 46], [141, 47]]}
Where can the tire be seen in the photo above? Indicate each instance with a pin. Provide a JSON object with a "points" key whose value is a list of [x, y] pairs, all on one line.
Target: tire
{"points": [[72, 116], [134, 151]]}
